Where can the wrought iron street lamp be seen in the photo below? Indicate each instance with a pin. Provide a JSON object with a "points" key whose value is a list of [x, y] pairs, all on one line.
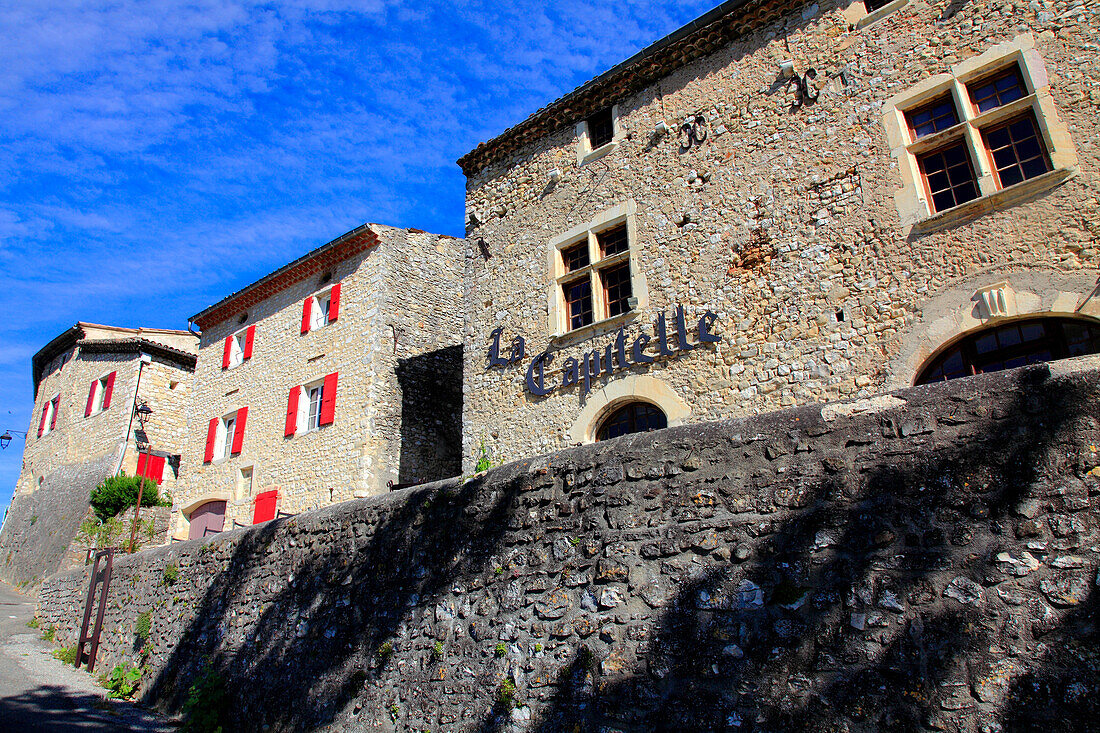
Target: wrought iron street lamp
{"points": [[142, 413], [5, 439]]}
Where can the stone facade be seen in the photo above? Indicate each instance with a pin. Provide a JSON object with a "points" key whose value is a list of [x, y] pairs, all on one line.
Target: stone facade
{"points": [[63, 464], [786, 205], [386, 316], [922, 560]]}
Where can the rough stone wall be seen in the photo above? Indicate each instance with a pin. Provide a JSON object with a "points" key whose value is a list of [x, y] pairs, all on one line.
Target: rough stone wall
{"points": [[351, 456], [783, 221], [923, 560]]}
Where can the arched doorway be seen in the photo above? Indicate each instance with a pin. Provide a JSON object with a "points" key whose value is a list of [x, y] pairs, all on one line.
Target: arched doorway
{"points": [[633, 417], [207, 519], [1010, 345]]}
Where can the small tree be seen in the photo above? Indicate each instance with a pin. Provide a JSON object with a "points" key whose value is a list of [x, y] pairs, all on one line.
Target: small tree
{"points": [[119, 493]]}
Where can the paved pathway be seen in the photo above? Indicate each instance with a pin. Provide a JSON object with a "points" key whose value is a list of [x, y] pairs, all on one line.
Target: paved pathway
{"points": [[40, 693]]}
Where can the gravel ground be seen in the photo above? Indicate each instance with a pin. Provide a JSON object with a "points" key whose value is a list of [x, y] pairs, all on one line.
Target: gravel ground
{"points": [[40, 693]]}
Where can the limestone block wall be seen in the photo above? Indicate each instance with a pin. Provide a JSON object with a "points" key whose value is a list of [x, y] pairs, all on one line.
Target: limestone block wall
{"points": [[783, 221], [357, 454], [925, 559]]}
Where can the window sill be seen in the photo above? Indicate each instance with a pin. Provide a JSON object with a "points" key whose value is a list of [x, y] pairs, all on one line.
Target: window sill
{"points": [[877, 15], [598, 152], [593, 329], [995, 201]]}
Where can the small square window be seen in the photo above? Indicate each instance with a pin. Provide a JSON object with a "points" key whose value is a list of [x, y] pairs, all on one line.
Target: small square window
{"points": [[613, 241], [578, 302], [1017, 150], [601, 128], [990, 93], [309, 407], [575, 257], [933, 117], [949, 176]]}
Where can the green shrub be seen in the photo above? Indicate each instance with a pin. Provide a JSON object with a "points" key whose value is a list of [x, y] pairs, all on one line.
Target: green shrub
{"points": [[49, 634], [506, 694], [501, 649], [437, 651], [144, 626], [122, 682], [118, 493], [171, 574], [66, 654], [206, 703]]}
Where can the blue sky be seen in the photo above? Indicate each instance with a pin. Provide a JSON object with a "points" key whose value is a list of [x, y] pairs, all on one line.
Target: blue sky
{"points": [[157, 156]]}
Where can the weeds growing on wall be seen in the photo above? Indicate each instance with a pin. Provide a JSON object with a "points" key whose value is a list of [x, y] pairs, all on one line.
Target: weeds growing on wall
{"points": [[205, 706], [66, 654], [143, 627]]}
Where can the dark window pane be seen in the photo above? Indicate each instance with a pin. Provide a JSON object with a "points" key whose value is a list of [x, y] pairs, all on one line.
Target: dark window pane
{"points": [[601, 128], [616, 284], [873, 5], [939, 115], [578, 301], [996, 92], [1018, 152], [1031, 341], [575, 257], [985, 343], [613, 241], [635, 417], [949, 176]]}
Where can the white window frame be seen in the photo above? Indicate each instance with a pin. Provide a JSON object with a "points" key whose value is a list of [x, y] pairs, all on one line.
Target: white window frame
{"points": [[51, 410], [304, 423], [223, 438], [322, 301], [558, 311], [913, 202], [858, 16], [236, 348], [100, 394], [585, 152]]}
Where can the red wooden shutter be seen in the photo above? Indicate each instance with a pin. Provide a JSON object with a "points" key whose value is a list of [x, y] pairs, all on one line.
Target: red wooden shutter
{"points": [[249, 337], [334, 303], [42, 422], [328, 400], [154, 471], [53, 417], [305, 314], [110, 388], [238, 431], [292, 412], [226, 351], [265, 506], [91, 399], [211, 438]]}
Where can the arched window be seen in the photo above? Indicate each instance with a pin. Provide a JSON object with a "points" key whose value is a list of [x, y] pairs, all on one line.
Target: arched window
{"points": [[633, 417], [1012, 345]]}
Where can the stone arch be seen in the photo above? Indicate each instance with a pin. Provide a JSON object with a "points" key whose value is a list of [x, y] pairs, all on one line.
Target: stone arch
{"points": [[987, 298], [617, 393]]}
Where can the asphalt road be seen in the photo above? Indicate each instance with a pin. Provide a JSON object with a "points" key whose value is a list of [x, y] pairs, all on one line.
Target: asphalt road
{"points": [[40, 693]]}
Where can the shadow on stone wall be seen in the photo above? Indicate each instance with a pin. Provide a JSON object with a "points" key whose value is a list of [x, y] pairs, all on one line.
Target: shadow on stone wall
{"points": [[315, 649], [820, 628], [926, 567], [431, 416]]}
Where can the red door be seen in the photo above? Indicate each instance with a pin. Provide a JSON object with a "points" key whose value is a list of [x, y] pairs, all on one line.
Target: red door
{"points": [[208, 519]]}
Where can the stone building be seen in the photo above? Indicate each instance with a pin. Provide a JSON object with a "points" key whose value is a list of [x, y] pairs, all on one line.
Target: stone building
{"points": [[87, 382], [783, 203], [337, 375]]}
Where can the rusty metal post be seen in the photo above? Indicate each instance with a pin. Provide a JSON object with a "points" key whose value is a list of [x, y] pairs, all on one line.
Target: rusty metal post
{"points": [[141, 490]]}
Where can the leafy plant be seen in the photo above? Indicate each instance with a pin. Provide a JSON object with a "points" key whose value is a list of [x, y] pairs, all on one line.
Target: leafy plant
{"points": [[143, 626], [484, 458], [385, 650], [171, 574], [34, 518], [50, 634], [506, 694], [66, 654], [500, 650], [33, 623], [206, 703], [122, 681], [395, 711], [118, 493], [437, 651]]}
